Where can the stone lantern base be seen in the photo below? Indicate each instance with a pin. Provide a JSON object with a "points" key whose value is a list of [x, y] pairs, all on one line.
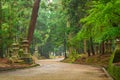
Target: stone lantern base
{"points": [[27, 58]]}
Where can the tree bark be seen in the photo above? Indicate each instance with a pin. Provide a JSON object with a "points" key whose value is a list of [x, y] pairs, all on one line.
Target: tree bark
{"points": [[88, 51], [102, 48], [33, 20], [91, 46], [88, 48], [85, 46], [65, 43]]}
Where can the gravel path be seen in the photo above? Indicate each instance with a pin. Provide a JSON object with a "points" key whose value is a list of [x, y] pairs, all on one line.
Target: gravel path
{"points": [[54, 70]]}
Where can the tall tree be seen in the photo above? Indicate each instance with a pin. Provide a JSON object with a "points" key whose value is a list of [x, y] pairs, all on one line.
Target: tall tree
{"points": [[33, 20]]}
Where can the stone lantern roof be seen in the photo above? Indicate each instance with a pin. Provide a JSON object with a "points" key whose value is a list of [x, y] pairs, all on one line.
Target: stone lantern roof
{"points": [[25, 43]]}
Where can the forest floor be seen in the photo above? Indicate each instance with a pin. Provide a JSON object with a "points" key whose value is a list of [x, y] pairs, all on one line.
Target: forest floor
{"points": [[53, 69], [96, 60]]}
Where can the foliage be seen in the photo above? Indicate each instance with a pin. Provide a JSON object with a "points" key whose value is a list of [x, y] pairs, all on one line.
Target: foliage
{"points": [[73, 56], [50, 28], [115, 70], [102, 20], [15, 19]]}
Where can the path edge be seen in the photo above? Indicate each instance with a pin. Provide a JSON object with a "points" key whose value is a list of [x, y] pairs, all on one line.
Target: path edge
{"points": [[108, 75], [14, 69]]}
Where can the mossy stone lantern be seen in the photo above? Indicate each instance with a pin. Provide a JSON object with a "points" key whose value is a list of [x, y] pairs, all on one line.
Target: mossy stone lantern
{"points": [[26, 56], [25, 46], [15, 47]]}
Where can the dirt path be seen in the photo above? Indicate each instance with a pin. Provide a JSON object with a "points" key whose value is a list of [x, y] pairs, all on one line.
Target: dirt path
{"points": [[55, 70]]}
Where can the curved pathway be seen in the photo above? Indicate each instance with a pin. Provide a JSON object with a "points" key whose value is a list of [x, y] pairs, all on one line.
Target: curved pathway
{"points": [[52, 69]]}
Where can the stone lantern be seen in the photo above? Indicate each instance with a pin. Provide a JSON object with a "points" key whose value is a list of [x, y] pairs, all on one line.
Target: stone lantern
{"points": [[15, 47], [36, 53], [26, 56], [25, 46]]}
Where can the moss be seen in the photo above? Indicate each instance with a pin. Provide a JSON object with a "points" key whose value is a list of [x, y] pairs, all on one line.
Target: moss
{"points": [[27, 58], [67, 60], [20, 53], [116, 72], [12, 68], [26, 55], [73, 56], [116, 56], [89, 60], [113, 69]]}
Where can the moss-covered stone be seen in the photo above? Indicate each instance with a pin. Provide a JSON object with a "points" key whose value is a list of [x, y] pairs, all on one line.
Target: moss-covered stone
{"points": [[21, 52], [27, 58]]}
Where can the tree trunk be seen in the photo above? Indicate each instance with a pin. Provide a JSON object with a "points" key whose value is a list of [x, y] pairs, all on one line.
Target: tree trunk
{"points": [[91, 46], [1, 47], [102, 48], [33, 20], [88, 48], [65, 54], [85, 46], [110, 46], [65, 43], [88, 51]]}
